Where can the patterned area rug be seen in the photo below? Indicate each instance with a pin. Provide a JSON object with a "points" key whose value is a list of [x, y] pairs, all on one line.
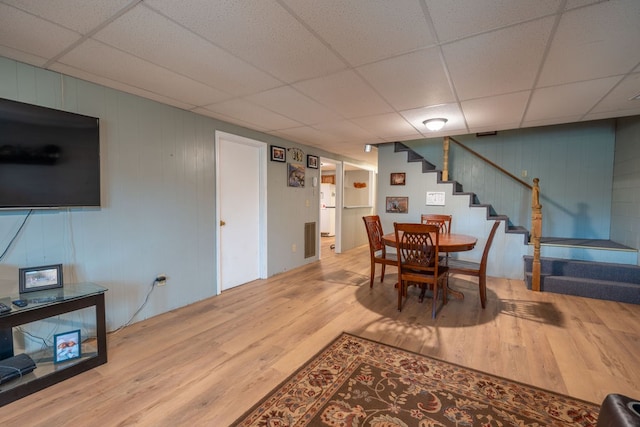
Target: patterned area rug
{"points": [[357, 382]]}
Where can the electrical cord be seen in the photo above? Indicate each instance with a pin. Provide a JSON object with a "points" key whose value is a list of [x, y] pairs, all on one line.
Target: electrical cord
{"points": [[16, 235], [146, 299]]}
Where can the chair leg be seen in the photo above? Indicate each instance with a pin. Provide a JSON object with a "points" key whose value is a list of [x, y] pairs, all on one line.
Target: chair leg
{"points": [[382, 274], [434, 306], [373, 273], [400, 294], [482, 281]]}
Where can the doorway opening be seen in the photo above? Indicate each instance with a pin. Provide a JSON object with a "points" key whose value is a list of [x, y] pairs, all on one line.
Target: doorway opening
{"points": [[330, 207]]}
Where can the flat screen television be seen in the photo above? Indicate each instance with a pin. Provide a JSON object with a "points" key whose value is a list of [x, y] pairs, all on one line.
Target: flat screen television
{"points": [[48, 158]]}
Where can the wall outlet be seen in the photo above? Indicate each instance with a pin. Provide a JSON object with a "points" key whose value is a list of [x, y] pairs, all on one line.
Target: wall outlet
{"points": [[294, 248], [161, 280]]}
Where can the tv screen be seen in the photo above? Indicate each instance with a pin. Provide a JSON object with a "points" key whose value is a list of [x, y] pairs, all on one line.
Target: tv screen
{"points": [[48, 158]]}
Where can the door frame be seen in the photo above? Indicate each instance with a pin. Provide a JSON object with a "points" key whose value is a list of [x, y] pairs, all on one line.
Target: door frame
{"points": [[262, 214]]}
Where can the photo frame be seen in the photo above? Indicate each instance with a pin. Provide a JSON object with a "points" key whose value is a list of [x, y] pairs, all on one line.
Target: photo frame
{"points": [[397, 204], [278, 154], [295, 177], [312, 161], [67, 346], [398, 178], [33, 279]]}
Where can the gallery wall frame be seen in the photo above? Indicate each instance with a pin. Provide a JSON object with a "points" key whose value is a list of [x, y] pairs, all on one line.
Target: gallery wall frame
{"points": [[33, 279], [312, 161], [295, 177], [398, 178], [278, 154], [397, 205]]}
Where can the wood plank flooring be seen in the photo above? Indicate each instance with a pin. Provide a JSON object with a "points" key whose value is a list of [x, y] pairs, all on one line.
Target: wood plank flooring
{"points": [[206, 364]]}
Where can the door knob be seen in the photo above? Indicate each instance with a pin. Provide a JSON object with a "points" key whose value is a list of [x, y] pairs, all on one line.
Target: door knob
{"points": [[222, 223]]}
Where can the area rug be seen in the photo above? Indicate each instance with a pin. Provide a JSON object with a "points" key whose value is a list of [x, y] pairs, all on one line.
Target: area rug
{"points": [[358, 382]]}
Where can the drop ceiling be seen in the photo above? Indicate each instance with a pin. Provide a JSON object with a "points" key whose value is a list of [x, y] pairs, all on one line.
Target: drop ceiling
{"points": [[338, 74]]}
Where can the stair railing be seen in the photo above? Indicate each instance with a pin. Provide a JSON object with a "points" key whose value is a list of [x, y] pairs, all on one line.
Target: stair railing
{"points": [[536, 207]]}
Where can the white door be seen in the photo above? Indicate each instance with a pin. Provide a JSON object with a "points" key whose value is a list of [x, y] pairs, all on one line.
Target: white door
{"points": [[240, 200]]}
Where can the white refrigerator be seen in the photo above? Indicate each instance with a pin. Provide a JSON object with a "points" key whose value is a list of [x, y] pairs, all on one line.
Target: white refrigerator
{"points": [[327, 209]]}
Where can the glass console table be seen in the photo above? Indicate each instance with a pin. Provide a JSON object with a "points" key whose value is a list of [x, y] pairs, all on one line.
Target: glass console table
{"points": [[44, 305]]}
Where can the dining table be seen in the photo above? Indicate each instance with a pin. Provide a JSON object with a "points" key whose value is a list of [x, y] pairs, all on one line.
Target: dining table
{"points": [[447, 242]]}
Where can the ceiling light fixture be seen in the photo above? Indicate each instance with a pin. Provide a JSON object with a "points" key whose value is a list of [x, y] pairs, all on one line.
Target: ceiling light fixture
{"points": [[367, 148], [435, 124]]}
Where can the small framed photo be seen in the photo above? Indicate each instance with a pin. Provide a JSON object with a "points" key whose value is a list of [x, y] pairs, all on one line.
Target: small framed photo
{"points": [[397, 205], [67, 346], [398, 178], [312, 161], [278, 154], [39, 278]]}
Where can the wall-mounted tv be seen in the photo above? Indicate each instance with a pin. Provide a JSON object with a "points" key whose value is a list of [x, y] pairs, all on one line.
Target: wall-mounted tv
{"points": [[48, 158]]}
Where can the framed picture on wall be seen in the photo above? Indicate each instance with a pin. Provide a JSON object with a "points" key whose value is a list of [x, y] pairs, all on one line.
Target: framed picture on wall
{"points": [[296, 175], [33, 279], [278, 154], [312, 161], [397, 204], [398, 178]]}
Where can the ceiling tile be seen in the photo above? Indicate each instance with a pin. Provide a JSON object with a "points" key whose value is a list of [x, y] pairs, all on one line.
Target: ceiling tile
{"points": [[305, 135], [498, 62], [153, 37], [388, 126], [100, 59], [364, 31], [592, 42], [344, 130], [495, 111], [79, 15], [345, 93], [258, 31], [293, 104], [618, 101], [570, 100], [410, 80], [42, 38], [454, 19], [250, 113]]}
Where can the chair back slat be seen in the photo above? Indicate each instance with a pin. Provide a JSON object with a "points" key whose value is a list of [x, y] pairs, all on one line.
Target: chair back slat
{"points": [[441, 220]]}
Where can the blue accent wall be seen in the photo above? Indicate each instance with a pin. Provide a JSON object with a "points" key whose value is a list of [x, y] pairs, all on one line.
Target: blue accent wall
{"points": [[574, 163], [625, 209]]}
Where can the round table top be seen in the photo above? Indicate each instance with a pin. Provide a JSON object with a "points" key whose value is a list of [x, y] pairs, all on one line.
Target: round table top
{"points": [[447, 242]]}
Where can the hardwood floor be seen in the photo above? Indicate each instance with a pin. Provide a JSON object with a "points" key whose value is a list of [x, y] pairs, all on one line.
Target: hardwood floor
{"points": [[206, 364]]}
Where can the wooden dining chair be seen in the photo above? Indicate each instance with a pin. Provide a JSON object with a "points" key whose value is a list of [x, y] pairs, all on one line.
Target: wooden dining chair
{"points": [[417, 247], [377, 248], [478, 270], [442, 221], [444, 224]]}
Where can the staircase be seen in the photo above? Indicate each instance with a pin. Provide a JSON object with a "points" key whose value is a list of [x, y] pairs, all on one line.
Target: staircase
{"points": [[590, 268], [474, 202]]}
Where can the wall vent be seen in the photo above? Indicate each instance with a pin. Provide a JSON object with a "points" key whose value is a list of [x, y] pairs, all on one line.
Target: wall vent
{"points": [[309, 239]]}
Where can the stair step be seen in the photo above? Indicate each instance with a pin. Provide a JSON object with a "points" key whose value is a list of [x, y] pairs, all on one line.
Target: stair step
{"points": [[599, 280]]}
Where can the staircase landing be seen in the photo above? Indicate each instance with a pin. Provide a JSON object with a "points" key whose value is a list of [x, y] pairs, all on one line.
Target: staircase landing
{"points": [[588, 250]]}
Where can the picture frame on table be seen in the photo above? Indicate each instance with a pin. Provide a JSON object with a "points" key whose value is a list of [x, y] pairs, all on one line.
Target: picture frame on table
{"points": [[278, 154], [397, 204], [312, 161], [33, 279], [67, 346]]}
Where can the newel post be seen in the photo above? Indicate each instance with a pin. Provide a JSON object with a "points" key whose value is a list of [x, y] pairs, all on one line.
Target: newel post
{"points": [[445, 159], [536, 231]]}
